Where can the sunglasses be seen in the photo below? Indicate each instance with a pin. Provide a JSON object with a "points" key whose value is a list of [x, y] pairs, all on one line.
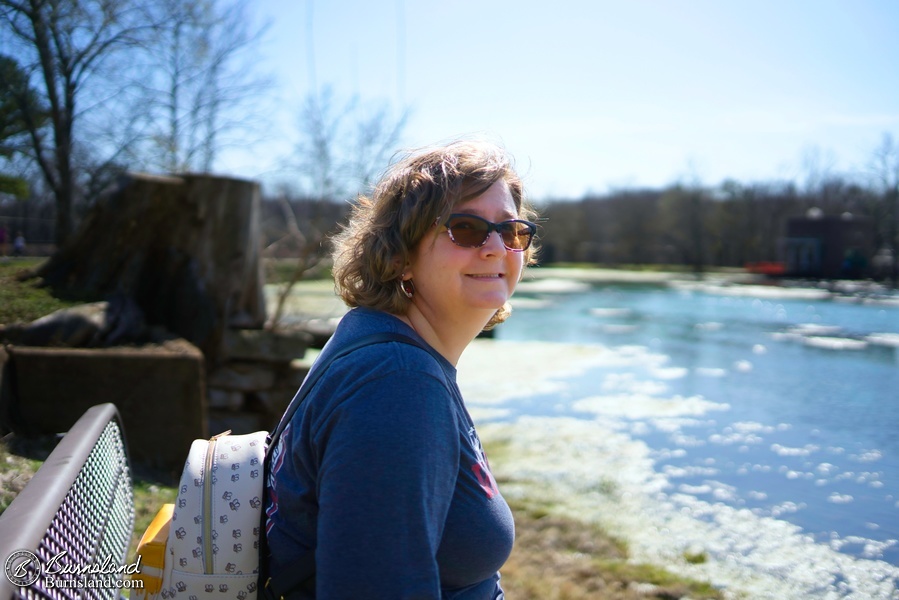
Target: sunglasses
{"points": [[471, 231]]}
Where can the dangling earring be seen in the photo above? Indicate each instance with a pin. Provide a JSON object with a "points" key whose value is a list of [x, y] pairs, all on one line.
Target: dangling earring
{"points": [[407, 287]]}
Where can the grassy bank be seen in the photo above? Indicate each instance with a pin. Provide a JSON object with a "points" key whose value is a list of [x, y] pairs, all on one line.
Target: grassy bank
{"points": [[24, 301], [557, 558]]}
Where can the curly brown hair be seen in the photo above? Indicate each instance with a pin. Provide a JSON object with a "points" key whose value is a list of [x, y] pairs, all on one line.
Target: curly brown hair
{"points": [[383, 230]]}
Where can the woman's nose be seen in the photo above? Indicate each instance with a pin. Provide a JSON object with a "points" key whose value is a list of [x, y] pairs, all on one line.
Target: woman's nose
{"points": [[494, 244]]}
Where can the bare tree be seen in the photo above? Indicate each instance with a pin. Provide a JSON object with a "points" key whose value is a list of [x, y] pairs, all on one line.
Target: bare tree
{"points": [[197, 88], [343, 145], [818, 166], [307, 248], [61, 45]]}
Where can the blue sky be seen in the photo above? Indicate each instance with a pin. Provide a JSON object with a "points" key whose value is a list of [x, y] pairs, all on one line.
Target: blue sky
{"points": [[595, 95]]}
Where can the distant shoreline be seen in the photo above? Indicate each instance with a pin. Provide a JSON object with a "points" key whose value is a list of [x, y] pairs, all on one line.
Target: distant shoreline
{"points": [[606, 275]]}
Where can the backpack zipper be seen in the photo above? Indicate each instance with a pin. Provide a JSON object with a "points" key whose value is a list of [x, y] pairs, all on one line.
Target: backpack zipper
{"points": [[207, 502]]}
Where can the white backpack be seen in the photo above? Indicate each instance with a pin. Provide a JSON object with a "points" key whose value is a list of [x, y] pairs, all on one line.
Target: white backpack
{"points": [[210, 538]]}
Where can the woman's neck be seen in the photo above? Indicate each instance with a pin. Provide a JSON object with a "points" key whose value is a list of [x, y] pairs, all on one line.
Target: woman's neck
{"points": [[446, 337]]}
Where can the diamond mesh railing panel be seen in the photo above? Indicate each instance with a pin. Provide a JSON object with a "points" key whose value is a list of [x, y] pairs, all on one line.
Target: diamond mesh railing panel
{"points": [[87, 539]]}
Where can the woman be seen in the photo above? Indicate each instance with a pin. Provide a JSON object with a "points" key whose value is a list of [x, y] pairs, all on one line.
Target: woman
{"points": [[379, 480]]}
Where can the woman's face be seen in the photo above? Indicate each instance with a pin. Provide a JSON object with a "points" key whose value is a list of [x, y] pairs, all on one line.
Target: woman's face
{"points": [[463, 284]]}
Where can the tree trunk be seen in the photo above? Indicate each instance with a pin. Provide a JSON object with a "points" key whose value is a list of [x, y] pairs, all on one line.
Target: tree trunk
{"points": [[185, 249]]}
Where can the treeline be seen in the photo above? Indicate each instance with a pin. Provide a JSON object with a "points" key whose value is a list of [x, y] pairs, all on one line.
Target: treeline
{"points": [[730, 225], [726, 226]]}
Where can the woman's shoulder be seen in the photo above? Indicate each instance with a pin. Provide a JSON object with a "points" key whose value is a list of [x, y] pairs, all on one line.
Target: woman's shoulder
{"points": [[389, 358], [403, 350]]}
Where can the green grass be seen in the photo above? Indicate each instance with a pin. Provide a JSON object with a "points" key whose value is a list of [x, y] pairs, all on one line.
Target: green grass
{"points": [[15, 472], [561, 558], [283, 270], [25, 301], [149, 496], [696, 558]]}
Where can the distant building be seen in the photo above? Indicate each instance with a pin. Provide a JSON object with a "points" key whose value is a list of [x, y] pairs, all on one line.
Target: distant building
{"points": [[828, 247]]}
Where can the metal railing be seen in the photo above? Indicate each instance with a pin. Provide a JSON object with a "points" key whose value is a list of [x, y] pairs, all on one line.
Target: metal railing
{"points": [[66, 535]]}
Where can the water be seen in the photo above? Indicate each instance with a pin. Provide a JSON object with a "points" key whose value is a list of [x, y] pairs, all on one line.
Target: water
{"points": [[781, 403]]}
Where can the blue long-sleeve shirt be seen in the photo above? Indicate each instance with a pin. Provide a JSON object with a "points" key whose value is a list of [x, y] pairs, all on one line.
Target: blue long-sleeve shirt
{"points": [[381, 472]]}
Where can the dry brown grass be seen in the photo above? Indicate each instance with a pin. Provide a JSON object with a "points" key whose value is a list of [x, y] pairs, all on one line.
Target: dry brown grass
{"points": [[556, 558]]}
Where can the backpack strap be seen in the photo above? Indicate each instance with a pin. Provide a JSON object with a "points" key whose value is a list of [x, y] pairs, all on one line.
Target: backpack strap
{"points": [[299, 574], [318, 370]]}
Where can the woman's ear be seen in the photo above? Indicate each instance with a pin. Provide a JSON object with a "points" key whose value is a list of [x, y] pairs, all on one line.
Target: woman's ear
{"points": [[403, 267]]}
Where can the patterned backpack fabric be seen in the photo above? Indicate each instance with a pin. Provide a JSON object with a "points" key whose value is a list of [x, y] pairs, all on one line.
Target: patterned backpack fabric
{"points": [[212, 539], [211, 543]]}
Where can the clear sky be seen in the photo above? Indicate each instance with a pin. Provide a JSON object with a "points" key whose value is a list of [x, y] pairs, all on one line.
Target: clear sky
{"points": [[595, 95]]}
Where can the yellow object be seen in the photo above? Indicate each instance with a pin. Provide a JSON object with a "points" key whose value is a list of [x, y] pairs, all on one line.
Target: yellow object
{"points": [[151, 550]]}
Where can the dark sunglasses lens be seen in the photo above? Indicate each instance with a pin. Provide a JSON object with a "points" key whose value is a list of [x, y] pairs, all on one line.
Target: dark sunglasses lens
{"points": [[516, 235], [468, 231]]}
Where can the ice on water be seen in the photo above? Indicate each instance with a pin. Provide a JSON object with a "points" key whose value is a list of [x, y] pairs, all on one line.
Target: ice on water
{"points": [[591, 465]]}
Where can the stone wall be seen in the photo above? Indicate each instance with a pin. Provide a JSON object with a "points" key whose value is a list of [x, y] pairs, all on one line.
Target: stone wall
{"points": [[250, 390], [163, 392], [159, 391]]}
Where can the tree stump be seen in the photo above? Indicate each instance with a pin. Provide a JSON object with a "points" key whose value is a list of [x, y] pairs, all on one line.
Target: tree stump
{"points": [[186, 249]]}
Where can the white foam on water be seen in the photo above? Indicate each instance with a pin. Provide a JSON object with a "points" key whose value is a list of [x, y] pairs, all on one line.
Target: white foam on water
{"points": [[743, 366], [891, 302], [806, 450], [484, 413], [552, 286], [884, 339], [840, 498], [835, 343], [826, 469], [643, 406], [814, 329], [628, 382], [827, 337], [729, 437], [669, 372], [690, 471], [745, 427], [618, 329], [867, 456], [592, 470], [602, 476], [711, 372], [524, 303], [607, 313], [754, 291], [504, 369]]}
